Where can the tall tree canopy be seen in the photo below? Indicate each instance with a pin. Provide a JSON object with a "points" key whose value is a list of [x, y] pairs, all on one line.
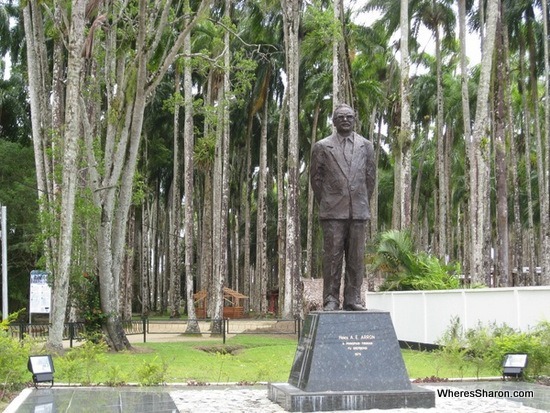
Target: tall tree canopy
{"points": [[171, 142]]}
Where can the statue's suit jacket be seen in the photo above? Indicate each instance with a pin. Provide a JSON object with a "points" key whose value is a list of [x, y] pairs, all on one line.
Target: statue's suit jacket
{"points": [[343, 191]]}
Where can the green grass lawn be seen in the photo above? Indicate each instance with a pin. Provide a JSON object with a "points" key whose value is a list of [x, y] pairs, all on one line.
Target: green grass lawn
{"points": [[424, 364], [244, 358]]}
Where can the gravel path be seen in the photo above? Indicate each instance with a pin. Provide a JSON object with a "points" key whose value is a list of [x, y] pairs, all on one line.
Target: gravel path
{"points": [[254, 400]]}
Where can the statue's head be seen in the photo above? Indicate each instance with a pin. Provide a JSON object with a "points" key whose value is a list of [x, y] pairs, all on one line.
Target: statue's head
{"points": [[343, 118]]}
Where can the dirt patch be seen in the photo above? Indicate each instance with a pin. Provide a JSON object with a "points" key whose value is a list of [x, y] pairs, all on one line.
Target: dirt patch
{"points": [[432, 379], [221, 349]]}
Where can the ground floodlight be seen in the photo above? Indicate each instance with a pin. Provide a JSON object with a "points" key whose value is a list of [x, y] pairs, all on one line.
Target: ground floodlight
{"points": [[41, 368], [514, 364]]}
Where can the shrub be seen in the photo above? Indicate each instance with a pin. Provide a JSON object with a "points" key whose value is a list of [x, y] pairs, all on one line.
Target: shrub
{"points": [[85, 298], [479, 342], [152, 373], [405, 269], [486, 346], [79, 362], [68, 369], [453, 346], [14, 355], [115, 376], [520, 342]]}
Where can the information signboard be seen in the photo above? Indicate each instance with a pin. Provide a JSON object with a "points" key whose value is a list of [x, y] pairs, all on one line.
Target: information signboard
{"points": [[41, 293]]}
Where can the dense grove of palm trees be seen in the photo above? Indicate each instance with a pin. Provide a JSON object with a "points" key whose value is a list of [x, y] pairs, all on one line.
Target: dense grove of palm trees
{"points": [[171, 143]]}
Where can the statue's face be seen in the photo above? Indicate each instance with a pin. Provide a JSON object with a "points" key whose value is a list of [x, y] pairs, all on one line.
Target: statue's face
{"points": [[344, 120]]}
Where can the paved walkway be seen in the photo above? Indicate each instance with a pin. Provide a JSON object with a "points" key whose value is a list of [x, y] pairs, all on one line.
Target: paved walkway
{"points": [[461, 397]]}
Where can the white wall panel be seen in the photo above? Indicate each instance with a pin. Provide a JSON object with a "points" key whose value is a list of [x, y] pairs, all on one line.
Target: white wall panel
{"points": [[423, 316]]}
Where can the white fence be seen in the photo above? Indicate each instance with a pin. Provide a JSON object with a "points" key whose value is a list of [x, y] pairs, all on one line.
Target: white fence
{"points": [[423, 316]]}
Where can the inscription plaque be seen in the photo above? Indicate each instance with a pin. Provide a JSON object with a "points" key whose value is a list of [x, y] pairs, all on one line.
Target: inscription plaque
{"points": [[348, 361], [354, 352]]}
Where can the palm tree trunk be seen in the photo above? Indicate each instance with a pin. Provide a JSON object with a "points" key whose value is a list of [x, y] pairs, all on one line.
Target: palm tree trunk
{"points": [[261, 215], [221, 191], [541, 172], [338, 73], [127, 278], [69, 177], [516, 238], [41, 115], [501, 266], [310, 201], [206, 256], [545, 207], [405, 129], [144, 261], [466, 122], [442, 148], [189, 182], [218, 274], [377, 148], [479, 173], [292, 293], [528, 143], [174, 244], [416, 223], [245, 205], [281, 206]]}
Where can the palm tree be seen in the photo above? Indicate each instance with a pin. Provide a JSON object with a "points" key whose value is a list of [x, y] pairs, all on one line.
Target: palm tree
{"points": [[439, 18], [502, 270], [375, 74], [174, 213], [479, 173], [221, 187], [292, 292], [546, 190], [539, 145], [465, 95], [189, 185], [404, 269], [520, 25], [397, 14]]}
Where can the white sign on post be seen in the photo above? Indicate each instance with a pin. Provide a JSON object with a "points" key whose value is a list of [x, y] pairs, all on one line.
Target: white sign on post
{"points": [[41, 293]]}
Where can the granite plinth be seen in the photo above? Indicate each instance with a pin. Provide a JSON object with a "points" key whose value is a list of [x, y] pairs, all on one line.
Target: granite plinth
{"points": [[293, 399], [348, 361]]}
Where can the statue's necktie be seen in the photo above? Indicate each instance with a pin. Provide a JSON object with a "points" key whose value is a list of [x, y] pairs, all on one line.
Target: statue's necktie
{"points": [[348, 150]]}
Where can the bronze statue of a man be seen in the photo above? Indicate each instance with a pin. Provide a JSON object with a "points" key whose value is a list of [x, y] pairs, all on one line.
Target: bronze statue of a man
{"points": [[342, 174]]}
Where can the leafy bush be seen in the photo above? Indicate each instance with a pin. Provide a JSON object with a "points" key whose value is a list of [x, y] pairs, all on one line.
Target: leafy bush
{"points": [[85, 298], [486, 346], [79, 362], [405, 269], [152, 373], [14, 355], [453, 346], [115, 376], [68, 369], [479, 341], [519, 342]]}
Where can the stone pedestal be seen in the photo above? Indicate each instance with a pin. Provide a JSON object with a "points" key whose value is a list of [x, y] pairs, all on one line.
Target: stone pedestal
{"points": [[348, 361]]}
